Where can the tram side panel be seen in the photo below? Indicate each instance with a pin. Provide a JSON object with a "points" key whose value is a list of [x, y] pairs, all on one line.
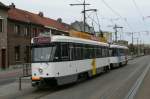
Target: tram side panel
{"points": [[67, 72]]}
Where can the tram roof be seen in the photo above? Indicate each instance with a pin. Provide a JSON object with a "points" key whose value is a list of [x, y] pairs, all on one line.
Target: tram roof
{"points": [[76, 40], [59, 38], [118, 46]]}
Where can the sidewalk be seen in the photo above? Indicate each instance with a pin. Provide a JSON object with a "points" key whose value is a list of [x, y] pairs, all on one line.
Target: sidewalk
{"points": [[11, 73], [11, 91], [144, 89]]}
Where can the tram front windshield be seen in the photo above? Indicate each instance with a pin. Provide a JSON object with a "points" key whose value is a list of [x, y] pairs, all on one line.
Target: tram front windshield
{"points": [[43, 53]]}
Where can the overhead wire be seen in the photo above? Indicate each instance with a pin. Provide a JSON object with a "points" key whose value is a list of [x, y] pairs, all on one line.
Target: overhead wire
{"points": [[107, 5], [99, 26], [140, 14], [116, 13], [138, 9]]}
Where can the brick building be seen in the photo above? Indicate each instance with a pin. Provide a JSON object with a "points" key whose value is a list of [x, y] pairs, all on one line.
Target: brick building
{"points": [[3, 35], [19, 26]]}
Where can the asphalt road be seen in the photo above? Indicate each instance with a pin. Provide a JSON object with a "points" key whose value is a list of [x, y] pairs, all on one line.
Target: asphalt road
{"points": [[112, 85], [144, 89]]}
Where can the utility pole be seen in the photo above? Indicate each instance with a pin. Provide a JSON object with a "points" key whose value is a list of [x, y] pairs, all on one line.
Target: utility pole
{"points": [[115, 28], [84, 4], [132, 37], [116, 31], [84, 12], [137, 48], [132, 43]]}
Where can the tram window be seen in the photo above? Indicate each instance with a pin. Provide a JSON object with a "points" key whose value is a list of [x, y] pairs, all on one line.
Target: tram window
{"points": [[114, 52], [81, 51], [71, 48], [57, 54], [105, 49], [82, 55], [100, 51], [97, 54], [110, 52], [78, 53], [107, 52], [103, 52], [94, 51], [74, 49], [64, 51], [121, 52], [117, 52], [43, 53], [86, 53], [91, 52]]}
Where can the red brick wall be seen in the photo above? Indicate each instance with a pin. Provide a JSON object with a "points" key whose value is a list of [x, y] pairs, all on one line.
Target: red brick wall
{"points": [[20, 40], [3, 36]]}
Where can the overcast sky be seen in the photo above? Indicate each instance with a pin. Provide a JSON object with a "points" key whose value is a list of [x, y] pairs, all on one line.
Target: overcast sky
{"points": [[125, 13]]}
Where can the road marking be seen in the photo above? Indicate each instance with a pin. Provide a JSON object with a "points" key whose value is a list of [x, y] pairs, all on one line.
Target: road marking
{"points": [[131, 94]]}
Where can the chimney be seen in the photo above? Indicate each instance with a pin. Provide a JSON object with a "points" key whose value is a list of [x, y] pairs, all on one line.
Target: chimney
{"points": [[59, 20], [41, 14], [12, 5]]}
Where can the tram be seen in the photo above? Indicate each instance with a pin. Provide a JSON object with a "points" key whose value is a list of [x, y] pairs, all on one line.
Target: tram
{"points": [[63, 59], [118, 55]]}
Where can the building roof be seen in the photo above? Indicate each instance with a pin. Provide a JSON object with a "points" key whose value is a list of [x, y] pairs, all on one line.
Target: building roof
{"points": [[3, 6], [25, 16]]}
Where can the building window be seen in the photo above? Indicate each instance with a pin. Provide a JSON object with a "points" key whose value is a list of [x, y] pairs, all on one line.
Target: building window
{"points": [[17, 53], [1, 25], [34, 32], [26, 31], [27, 54], [17, 29]]}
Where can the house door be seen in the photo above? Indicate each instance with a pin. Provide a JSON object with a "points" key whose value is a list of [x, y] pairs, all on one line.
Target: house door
{"points": [[3, 58]]}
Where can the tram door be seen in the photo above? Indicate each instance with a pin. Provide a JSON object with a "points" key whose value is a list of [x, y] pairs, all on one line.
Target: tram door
{"points": [[3, 58]]}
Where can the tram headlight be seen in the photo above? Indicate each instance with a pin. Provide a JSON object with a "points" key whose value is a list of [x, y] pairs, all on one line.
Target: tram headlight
{"points": [[40, 70]]}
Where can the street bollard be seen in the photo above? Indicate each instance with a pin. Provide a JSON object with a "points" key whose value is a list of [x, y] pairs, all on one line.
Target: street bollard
{"points": [[20, 88], [23, 70], [26, 70]]}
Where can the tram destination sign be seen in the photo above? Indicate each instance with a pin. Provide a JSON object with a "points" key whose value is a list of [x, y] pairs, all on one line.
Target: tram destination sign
{"points": [[42, 40]]}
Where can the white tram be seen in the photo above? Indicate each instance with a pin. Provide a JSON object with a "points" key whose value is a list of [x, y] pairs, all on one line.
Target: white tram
{"points": [[62, 59], [118, 55]]}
